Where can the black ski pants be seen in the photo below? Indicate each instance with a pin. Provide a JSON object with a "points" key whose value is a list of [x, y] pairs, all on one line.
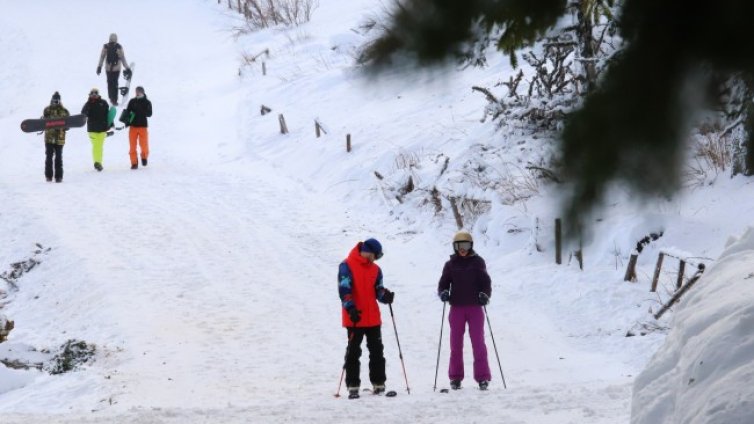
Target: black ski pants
{"points": [[112, 85], [376, 355], [56, 151]]}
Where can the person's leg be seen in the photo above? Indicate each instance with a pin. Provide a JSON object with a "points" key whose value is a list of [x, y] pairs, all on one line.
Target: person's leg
{"points": [[58, 162], [98, 140], [144, 144], [353, 353], [457, 321], [376, 356], [476, 333], [133, 134], [49, 150], [112, 86]]}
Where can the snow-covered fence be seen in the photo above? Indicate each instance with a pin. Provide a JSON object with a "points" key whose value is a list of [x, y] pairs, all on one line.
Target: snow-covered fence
{"points": [[681, 290], [631, 269], [682, 262], [283, 125], [264, 110], [578, 254], [318, 129]]}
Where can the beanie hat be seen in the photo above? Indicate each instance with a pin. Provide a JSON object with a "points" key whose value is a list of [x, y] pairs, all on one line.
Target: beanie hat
{"points": [[462, 236], [113, 38], [140, 89], [373, 246], [55, 99]]}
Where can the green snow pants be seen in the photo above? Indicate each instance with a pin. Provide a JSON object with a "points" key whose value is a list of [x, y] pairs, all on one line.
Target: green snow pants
{"points": [[98, 141]]}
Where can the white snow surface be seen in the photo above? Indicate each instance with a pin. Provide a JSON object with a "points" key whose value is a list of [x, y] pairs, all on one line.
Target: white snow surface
{"points": [[703, 372], [207, 279]]}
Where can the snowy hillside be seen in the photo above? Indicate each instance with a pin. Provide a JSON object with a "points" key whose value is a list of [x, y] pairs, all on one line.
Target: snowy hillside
{"points": [[207, 280]]}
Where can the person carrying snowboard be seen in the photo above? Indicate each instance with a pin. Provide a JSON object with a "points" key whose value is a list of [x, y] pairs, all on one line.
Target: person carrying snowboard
{"points": [[139, 109], [112, 56], [467, 286], [360, 287], [54, 140], [96, 110]]}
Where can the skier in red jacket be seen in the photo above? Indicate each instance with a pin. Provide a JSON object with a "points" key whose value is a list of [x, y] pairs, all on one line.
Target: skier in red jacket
{"points": [[360, 287]]}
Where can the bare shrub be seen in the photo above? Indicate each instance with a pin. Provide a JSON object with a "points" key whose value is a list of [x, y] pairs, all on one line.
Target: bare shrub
{"points": [[713, 154], [262, 14]]}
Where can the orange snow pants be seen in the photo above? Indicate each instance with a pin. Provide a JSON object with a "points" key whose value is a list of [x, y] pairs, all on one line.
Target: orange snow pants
{"points": [[138, 135]]}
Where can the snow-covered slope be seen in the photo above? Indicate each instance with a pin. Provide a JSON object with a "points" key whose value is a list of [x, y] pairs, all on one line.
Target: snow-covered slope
{"points": [[207, 279], [703, 372]]}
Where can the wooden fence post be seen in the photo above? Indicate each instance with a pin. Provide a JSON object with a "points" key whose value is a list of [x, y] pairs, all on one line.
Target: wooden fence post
{"points": [[558, 241], [264, 68], [456, 213], [240, 9], [658, 268], [283, 126], [631, 270], [580, 255], [318, 130], [681, 270], [265, 110], [348, 143]]}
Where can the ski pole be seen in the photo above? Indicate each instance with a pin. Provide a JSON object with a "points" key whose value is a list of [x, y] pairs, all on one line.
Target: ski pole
{"points": [[400, 353], [343, 371], [494, 345], [437, 367]]}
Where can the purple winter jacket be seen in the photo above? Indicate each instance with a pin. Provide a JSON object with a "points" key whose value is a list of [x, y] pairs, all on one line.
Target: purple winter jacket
{"points": [[465, 277]]}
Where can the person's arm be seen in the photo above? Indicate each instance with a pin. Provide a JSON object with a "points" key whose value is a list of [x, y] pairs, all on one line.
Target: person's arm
{"points": [[66, 113], [445, 279], [148, 112], [383, 295], [345, 286], [85, 109], [102, 55], [485, 282]]}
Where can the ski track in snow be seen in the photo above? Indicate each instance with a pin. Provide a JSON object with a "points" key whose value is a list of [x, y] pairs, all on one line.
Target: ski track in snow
{"points": [[207, 279]]}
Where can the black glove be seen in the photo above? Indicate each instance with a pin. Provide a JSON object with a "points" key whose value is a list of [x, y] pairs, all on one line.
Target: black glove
{"points": [[483, 298], [355, 315], [127, 74], [388, 296], [445, 296], [99, 70]]}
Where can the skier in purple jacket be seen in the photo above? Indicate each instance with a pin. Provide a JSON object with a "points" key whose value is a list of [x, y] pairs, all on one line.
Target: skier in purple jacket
{"points": [[467, 286]]}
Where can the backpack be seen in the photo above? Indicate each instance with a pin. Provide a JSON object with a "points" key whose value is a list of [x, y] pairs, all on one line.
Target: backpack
{"points": [[112, 53]]}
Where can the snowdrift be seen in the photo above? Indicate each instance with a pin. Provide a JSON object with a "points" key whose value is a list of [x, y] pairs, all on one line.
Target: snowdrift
{"points": [[703, 372]]}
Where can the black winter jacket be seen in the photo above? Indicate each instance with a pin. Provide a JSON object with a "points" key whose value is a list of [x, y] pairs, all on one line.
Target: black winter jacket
{"points": [[96, 113], [142, 109]]}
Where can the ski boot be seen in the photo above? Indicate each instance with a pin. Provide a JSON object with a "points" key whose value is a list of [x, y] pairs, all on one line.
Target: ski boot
{"points": [[483, 385], [378, 389], [353, 393], [455, 384]]}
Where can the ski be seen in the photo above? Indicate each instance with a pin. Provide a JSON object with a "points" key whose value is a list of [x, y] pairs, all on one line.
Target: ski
{"points": [[389, 393]]}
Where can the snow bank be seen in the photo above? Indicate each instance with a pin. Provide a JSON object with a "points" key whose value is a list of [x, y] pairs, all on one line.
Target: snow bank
{"points": [[703, 372]]}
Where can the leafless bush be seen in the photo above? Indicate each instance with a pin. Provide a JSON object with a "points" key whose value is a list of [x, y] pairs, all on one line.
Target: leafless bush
{"points": [[713, 154], [262, 14]]}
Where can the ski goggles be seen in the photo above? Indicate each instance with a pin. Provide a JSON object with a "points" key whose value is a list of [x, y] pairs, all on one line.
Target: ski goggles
{"points": [[462, 245]]}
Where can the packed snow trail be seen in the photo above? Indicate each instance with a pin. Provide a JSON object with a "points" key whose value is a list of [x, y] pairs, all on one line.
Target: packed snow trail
{"points": [[207, 279]]}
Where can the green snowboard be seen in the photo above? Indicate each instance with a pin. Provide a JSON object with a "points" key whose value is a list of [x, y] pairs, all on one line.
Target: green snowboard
{"points": [[111, 116]]}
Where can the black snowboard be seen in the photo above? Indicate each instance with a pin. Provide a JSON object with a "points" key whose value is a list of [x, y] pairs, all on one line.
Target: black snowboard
{"points": [[35, 125]]}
